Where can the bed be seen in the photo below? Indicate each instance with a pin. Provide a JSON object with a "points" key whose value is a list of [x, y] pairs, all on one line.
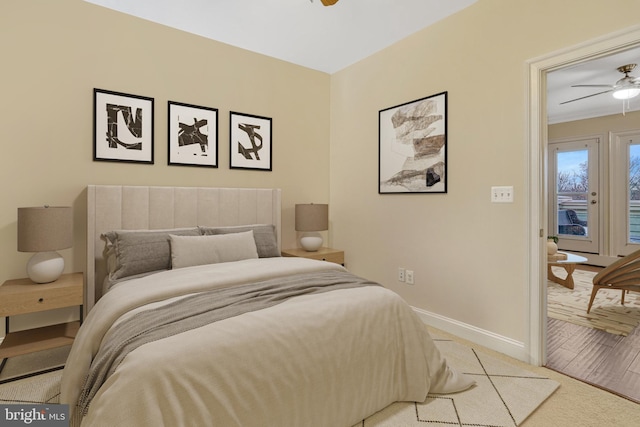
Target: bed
{"points": [[226, 332]]}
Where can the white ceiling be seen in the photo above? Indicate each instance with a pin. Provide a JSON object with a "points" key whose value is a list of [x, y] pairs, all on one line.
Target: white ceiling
{"points": [[331, 38], [299, 31], [596, 71]]}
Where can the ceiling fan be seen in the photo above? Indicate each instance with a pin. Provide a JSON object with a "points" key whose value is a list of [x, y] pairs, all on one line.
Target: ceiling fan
{"points": [[328, 2], [625, 88]]}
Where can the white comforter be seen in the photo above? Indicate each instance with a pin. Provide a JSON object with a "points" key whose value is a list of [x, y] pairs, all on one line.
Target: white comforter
{"points": [[328, 359]]}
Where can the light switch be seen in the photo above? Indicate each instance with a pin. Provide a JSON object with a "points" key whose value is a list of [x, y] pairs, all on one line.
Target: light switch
{"points": [[502, 194]]}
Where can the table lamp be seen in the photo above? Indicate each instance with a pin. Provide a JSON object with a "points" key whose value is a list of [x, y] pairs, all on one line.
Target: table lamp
{"points": [[45, 230], [312, 217]]}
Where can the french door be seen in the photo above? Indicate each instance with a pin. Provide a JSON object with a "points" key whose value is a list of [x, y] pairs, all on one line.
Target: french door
{"points": [[625, 192], [574, 194]]}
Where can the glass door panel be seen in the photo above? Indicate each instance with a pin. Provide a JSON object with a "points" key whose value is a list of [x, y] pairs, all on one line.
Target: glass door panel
{"points": [[625, 191], [573, 189], [633, 185]]}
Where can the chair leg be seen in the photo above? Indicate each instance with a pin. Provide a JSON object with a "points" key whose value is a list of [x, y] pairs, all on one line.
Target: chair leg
{"points": [[593, 296], [622, 297]]}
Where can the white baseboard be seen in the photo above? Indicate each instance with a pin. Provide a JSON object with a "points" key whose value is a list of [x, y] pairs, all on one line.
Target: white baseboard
{"points": [[499, 343]]}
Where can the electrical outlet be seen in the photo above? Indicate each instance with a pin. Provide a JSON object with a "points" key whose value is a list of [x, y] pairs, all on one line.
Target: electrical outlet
{"points": [[401, 274], [502, 194], [409, 276]]}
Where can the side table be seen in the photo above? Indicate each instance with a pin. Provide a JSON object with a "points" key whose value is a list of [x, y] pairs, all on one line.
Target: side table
{"points": [[322, 254], [566, 260], [22, 296]]}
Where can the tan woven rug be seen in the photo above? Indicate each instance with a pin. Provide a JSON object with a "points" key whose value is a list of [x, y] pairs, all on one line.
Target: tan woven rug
{"points": [[607, 314]]}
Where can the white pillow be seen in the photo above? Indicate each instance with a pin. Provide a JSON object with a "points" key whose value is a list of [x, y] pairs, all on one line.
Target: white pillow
{"points": [[198, 250]]}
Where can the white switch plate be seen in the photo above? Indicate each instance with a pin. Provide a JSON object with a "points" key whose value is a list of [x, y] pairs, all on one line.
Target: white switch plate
{"points": [[409, 276], [503, 194]]}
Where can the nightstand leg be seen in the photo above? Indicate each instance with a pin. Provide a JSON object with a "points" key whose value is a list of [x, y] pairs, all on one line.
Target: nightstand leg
{"points": [[30, 375], [6, 332]]}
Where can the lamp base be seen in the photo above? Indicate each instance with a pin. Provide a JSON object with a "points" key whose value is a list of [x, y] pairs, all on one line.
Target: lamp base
{"points": [[45, 267], [311, 243]]}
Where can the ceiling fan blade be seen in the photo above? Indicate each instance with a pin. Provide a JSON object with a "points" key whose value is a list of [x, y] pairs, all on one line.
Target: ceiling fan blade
{"points": [[329, 2], [588, 96], [610, 86]]}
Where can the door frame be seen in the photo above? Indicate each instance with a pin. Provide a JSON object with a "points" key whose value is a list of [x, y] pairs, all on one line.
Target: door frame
{"points": [[536, 129]]}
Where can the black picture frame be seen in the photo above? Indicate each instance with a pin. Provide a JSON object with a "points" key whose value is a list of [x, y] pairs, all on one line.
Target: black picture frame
{"points": [[250, 142], [412, 147], [122, 127], [192, 135]]}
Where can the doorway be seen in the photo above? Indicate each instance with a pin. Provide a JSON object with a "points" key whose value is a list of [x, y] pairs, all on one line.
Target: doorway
{"points": [[537, 180]]}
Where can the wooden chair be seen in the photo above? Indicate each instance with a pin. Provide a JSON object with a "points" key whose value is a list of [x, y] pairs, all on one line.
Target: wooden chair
{"points": [[624, 274]]}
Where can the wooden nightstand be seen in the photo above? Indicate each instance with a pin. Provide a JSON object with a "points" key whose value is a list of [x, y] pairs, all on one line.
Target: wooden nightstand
{"points": [[322, 254], [22, 296]]}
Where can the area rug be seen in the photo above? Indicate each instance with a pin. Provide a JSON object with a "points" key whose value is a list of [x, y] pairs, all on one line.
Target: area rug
{"points": [[43, 388], [505, 395], [607, 314]]}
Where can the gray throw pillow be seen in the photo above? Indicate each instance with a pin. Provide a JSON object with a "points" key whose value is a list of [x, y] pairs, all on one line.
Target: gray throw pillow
{"points": [[131, 252]]}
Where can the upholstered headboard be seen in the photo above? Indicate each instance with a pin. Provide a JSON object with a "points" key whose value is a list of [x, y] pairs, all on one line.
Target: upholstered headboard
{"points": [[111, 207]]}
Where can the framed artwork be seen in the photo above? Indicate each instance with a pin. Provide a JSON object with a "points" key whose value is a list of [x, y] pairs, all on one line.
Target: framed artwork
{"points": [[193, 135], [122, 127], [249, 142], [412, 150]]}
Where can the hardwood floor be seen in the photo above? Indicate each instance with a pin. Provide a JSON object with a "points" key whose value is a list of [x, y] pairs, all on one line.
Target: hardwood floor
{"points": [[605, 360]]}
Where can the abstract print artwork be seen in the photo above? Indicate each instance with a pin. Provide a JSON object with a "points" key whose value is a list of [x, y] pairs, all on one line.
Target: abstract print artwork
{"points": [[193, 135], [413, 147], [123, 127], [250, 142]]}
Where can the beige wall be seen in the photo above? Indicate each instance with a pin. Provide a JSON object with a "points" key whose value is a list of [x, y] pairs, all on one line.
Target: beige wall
{"points": [[600, 126], [469, 255], [55, 52]]}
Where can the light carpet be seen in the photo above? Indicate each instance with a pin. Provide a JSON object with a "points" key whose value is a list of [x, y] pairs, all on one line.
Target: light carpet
{"points": [[607, 314], [505, 395]]}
